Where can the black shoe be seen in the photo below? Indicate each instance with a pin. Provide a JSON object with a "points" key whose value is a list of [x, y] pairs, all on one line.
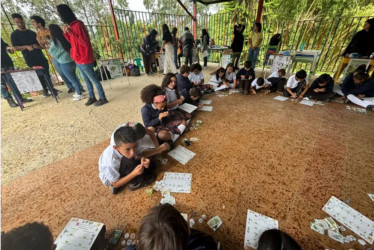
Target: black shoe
{"points": [[370, 107], [146, 182], [90, 101], [101, 102], [26, 100], [46, 94], [72, 90], [11, 102]]}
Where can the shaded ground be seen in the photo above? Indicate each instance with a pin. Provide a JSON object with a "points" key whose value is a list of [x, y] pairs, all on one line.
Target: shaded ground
{"points": [[281, 159]]}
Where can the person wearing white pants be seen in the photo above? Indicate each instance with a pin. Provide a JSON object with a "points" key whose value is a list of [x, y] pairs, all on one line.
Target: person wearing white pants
{"points": [[167, 45], [366, 102]]}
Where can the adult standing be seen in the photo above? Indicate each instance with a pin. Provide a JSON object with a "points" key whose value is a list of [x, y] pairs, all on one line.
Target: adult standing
{"points": [[204, 47], [149, 48], [167, 45], [237, 43], [363, 41], [7, 63], [175, 45], [25, 40], [254, 44], [59, 48], [43, 36], [187, 40], [81, 52]]}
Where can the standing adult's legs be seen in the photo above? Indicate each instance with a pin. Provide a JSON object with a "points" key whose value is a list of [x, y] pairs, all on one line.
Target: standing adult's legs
{"points": [[88, 71], [69, 69], [250, 55], [190, 55], [59, 70], [255, 56], [168, 62], [175, 48], [147, 64]]}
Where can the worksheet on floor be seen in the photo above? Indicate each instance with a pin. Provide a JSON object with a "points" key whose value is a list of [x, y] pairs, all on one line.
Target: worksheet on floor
{"points": [[177, 182], [350, 218], [280, 98], [256, 225], [207, 108], [189, 108], [307, 102], [206, 102], [181, 154]]}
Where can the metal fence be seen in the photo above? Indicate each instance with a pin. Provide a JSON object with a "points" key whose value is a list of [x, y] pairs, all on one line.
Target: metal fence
{"points": [[330, 35]]}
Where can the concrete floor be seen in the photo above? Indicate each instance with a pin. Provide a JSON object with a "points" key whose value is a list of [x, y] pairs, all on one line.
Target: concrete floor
{"points": [[281, 159]]}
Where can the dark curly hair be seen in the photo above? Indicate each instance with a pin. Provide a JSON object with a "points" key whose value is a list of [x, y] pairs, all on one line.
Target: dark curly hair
{"points": [[167, 80], [196, 66], [195, 92], [66, 14], [185, 69], [33, 235], [150, 91]]}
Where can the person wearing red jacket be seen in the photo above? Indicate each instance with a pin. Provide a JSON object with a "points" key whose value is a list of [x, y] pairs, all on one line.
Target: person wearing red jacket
{"points": [[81, 52]]}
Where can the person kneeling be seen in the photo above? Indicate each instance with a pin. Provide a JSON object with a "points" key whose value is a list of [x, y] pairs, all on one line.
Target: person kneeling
{"points": [[321, 88], [259, 84]]}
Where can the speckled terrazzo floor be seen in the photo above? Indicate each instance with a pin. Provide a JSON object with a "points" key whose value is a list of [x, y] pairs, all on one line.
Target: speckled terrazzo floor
{"points": [[281, 159]]}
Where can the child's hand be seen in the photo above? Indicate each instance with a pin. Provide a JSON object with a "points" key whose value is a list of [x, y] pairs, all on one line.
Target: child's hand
{"points": [[316, 90], [145, 162], [181, 99], [243, 77], [65, 28], [195, 83], [200, 105], [138, 170], [293, 96], [361, 96], [250, 77], [162, 115]]}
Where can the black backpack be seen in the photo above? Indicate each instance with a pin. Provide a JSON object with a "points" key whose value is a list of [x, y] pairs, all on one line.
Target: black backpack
{"points": [[134, 70]]}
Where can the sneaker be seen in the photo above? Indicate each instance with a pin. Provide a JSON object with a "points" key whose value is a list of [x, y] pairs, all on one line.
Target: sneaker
{"points": [[26, 100], [71, 90], [148, 180], [90, 101], [78, 98], [241, 90], [101, 102], [134, 186], [370, 107], [75, 95], [11, 102]]}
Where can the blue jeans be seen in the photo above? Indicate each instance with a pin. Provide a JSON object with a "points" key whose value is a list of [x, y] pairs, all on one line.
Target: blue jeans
{"points": [[69, 70], [89, 76], [61, 73], [176, 56], [252, 56]]}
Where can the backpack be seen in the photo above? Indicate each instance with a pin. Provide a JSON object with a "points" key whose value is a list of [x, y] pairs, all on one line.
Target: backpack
{"points": [[134, 70]]}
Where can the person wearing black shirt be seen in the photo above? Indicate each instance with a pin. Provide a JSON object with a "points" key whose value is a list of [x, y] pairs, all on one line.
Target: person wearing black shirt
{"points": [[237, 43], [363, 41], [24, 40], [6, 64], [149, 48]]}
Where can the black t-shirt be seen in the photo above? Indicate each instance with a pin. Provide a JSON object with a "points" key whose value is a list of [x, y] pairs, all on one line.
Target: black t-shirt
{"points": [[28, 37], [6, 62], [237, 44], [167, 37]]}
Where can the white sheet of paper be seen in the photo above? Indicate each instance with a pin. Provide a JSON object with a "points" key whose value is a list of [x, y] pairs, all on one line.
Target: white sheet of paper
{"points": [[307, 102], [352, 219], [26, 81], [177, 182], [207, 108], [256, 225], [78, 234], [189, 108], [206, 102], [220, 88], [371, 196], [281, 98], [181, 154]]}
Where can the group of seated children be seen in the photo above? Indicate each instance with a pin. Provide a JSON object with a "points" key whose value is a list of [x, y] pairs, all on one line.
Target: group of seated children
{"points": [[164, 228]]}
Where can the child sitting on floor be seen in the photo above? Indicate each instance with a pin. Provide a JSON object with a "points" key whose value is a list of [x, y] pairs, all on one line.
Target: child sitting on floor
{"points": [[245, 76], [321, 88], [230, 75], [259, 84], [169, 84], [195, 95], [183, 83], [196, 76], [155, 115], [348, 83], [297, 85], [218, 81], [118, 164], [164, 228], [276, 79], [363, 95]]}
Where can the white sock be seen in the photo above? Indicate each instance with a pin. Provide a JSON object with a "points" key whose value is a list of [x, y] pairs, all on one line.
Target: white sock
{"points": [[181, 127]]}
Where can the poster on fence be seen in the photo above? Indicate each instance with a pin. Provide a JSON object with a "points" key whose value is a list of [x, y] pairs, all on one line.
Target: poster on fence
{"points": [[280, 62], [27, 81], [114, 66], [353, 64]]}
